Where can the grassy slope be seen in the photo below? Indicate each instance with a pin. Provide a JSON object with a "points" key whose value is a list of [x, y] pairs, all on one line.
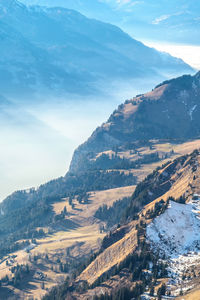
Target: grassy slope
{"points": [[86, 236], [183, 180]]}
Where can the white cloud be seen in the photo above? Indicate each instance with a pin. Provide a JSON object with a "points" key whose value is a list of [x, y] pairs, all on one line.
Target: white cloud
{"points": [[129, 2], [166, 17], [189, 53], [161, 19]]}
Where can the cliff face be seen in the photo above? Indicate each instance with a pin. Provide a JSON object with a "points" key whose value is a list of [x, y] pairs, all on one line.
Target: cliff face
{"points": [[170, 111]]}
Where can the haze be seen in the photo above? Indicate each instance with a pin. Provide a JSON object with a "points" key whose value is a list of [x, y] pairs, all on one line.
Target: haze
{"points": [[38, 137]]}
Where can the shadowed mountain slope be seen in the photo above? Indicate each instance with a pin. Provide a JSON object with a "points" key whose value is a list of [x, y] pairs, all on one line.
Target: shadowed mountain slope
{"points": [[62, 51]]}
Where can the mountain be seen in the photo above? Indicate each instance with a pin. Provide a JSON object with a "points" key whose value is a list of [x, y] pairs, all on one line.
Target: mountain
{"points": [[170, 111], [119, 182], [167, 21], [62, 51], [92, 9], [157, 247]]}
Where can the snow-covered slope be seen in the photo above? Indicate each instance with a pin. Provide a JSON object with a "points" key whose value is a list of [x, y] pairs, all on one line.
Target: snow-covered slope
{"points": [[176, 234], [177, 231]]}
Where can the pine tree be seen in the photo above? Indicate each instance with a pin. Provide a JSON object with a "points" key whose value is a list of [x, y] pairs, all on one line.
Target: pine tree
{"points": [[152, 291]]}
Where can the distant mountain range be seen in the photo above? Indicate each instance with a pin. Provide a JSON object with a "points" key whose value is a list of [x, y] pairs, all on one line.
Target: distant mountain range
{"points": [[167, 21], [62, 51]]}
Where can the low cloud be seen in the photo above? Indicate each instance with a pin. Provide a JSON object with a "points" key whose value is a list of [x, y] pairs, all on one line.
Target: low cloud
{"points": [[189, 53]]}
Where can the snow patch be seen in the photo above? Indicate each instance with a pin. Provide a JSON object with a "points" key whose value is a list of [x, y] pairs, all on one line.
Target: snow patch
{"points": [[177, 231], [191, 111], [176, 234]]}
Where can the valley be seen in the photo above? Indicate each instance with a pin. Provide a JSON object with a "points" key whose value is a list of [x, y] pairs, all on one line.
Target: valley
{"points": [[122, 221], [91, 225], [86, 232]]}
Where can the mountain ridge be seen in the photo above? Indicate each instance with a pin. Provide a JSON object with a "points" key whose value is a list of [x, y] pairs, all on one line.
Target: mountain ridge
{"points": [[70, 66], [170, 22], [134, 120]]}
